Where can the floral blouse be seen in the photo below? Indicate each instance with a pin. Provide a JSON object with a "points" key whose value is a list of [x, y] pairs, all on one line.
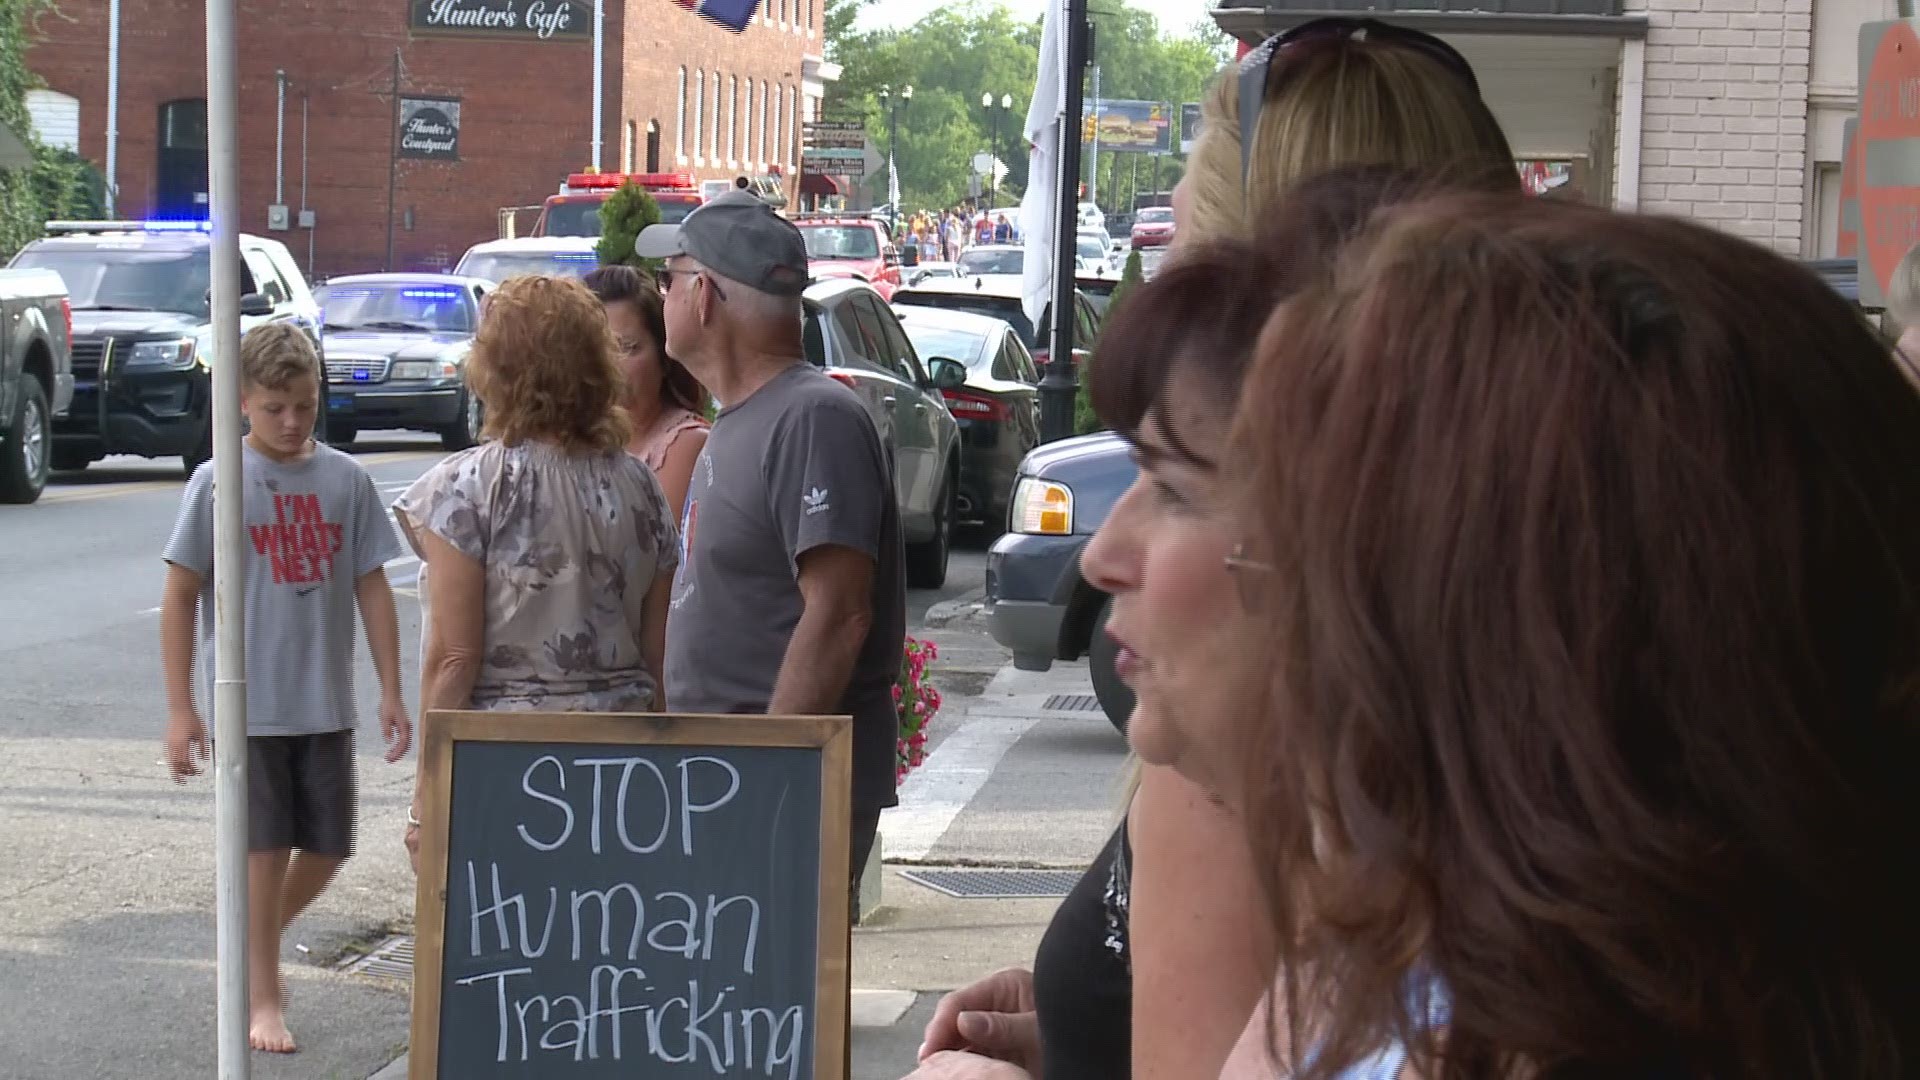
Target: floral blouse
{"points": [[571, 544]]}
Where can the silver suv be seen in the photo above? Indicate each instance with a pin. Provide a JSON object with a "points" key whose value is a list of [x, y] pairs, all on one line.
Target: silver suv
{"points": [[853, 336]]}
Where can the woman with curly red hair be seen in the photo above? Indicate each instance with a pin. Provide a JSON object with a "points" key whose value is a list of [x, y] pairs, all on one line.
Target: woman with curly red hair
{"points": [[550, 550]]}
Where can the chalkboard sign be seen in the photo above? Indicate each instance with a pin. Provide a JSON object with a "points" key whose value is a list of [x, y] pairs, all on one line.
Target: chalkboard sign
{"points": [[606, 895]]}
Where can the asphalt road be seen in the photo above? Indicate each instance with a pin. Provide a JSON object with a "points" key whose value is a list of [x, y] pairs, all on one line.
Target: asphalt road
{"points": [[106, 869]]}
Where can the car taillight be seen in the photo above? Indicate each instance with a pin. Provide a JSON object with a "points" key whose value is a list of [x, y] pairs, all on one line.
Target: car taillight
{"points": [[844, 379], [975, 406]]}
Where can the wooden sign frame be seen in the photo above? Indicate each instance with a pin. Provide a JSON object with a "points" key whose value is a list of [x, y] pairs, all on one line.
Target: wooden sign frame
{"points": [[831, 735]]}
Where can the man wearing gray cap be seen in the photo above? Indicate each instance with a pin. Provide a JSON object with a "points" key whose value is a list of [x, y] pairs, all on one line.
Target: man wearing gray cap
{"points": [[789, 598]]}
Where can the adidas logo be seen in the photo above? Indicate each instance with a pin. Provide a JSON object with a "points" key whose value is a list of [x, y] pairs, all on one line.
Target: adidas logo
{"points": [[815, 501]]}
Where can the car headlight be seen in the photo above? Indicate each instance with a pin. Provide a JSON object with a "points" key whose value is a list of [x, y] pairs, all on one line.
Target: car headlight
{"points": [[424, 369], [175, 353], [1042, 507]]}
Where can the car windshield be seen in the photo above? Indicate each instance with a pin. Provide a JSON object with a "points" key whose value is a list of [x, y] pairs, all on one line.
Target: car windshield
{"points": [[498, 266], [1000, 261], [841, 242], [1091, 248], [438, 309], [1006, 308], [1154, 215], [581, 217], [965, 346], [108, 279]]}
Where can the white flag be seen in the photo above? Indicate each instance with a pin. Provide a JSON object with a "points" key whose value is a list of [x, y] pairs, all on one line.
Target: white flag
{"points": [[1040, 208], [893, 186]]}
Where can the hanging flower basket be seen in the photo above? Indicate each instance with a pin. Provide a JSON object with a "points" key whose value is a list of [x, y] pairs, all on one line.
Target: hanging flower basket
{"points": [[917, 702]]}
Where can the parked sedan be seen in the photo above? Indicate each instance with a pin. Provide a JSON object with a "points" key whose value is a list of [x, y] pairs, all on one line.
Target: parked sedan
{"points": [[396, 350], [856, 338], [998, 409], [998, 296], [498, 260]]}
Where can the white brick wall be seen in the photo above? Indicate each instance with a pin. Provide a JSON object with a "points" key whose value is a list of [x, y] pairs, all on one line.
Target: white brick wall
{"points": [[1725, 122]]}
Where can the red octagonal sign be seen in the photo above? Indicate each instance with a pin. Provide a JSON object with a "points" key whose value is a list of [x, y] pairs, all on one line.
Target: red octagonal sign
{"points": [[1890, 139]]}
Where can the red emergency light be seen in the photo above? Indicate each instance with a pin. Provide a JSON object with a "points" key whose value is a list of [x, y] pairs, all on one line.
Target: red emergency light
{"points": [[651, 181]]}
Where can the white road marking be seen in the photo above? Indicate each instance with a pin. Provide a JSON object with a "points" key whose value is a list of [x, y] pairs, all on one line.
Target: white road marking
{"points": [[933, 795]]}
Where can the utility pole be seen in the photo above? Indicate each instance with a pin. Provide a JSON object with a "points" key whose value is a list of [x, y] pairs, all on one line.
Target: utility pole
{"points": [[393, 155], [1093, 146], [1061, 383]]}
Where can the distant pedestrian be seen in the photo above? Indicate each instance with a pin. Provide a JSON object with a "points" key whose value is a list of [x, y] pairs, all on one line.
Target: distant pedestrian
{"points": [[318, 542], [790, 598], [1003, 230]]}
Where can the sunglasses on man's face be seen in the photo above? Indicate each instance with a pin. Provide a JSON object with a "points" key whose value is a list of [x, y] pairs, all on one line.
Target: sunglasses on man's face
{"points": [[1256, 67]]}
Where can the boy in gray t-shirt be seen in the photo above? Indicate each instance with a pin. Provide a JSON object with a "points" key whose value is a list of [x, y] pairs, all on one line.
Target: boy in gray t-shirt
{"points": [[318, 540]]}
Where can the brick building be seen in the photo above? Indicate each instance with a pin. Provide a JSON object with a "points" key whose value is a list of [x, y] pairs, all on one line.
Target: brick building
{"points": [[497, 99], [1727, 111]]}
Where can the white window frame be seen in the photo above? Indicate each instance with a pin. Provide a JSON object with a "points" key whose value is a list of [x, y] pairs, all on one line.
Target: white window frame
{"points": [[733, 118], [699, 116], [680, 121]]}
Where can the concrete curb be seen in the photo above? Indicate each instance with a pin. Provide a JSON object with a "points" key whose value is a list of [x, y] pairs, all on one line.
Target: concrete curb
{"points": [[972, 606]]}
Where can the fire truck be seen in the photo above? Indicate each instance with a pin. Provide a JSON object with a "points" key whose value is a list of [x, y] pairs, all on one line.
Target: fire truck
{"points": [[575, 209]]}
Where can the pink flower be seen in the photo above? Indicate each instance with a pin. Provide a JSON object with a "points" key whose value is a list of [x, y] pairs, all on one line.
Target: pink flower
{"points": [[896, 694]]}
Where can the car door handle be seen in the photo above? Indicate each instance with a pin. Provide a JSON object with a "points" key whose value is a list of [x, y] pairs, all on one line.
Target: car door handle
{"points": [[889, 399], [920, 405]]}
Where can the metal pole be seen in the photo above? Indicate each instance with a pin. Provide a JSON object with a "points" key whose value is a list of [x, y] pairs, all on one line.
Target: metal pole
{"points": [[993, 151], [599, 31], [305, 101], [1060, 385], [393, 156], [1093, 148], [112, 192], [280, 139], [229, 546]]}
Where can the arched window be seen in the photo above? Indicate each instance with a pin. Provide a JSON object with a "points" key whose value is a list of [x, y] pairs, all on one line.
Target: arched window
{"points": [[733, 115], [699, 115], [713, 129], [632, 154], [680, 120], [653, 146], [180, 173]]}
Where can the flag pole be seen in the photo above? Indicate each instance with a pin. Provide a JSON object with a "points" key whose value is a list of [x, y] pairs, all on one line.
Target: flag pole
{"points": [[229, 559], [1060, 385]]}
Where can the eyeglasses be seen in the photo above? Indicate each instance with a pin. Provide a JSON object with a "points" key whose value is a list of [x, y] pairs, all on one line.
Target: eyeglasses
{"points": [[1257, 65], [667, 275]]}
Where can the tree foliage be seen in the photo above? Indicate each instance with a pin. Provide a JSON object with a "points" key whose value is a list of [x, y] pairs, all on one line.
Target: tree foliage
{"points": [[625, 213], [59, 184], [974, 47]]}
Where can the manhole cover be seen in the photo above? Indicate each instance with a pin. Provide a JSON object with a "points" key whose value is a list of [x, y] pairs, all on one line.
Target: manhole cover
{"points": [[1072, 703], [997, 884], [391, 959]]}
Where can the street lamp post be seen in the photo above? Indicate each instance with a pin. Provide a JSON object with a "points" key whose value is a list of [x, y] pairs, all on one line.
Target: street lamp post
{"points": [[892, 104], [993, 142]]}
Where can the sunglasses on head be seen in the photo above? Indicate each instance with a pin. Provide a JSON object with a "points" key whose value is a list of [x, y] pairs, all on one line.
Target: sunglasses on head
{"points": [[1257, 66]]}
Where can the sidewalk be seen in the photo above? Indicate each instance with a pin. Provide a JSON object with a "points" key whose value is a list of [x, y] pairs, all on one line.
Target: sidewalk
{"points": [[973, 804]]}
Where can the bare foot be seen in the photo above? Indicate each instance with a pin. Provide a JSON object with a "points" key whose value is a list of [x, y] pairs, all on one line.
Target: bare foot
{"points": [[268, 1030]]}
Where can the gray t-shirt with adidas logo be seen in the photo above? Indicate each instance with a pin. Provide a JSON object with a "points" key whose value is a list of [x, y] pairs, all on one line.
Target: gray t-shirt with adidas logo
{"points": [[797, 465], [313, 529]]}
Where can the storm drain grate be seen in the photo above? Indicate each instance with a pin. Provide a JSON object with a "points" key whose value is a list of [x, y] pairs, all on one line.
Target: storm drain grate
{"points": [[996, 884], [1072, 703], [391, 959]]}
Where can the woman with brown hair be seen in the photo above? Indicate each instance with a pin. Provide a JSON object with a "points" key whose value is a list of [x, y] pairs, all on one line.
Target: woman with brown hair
{"points": [[1581, 657], [549, 550], [665, 403], [1152, 966]]}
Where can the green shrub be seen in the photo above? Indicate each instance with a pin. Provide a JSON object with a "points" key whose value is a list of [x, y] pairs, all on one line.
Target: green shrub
{"points": [[622, 217], [59, 184]]}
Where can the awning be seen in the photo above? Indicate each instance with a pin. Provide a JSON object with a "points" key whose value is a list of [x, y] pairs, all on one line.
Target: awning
{"points": [[821, 185]]}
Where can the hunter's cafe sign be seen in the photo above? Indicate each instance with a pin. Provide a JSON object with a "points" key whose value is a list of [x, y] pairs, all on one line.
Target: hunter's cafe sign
{"points": [[544, 20]]}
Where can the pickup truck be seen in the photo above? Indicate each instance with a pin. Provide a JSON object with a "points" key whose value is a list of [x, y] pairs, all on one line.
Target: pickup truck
{"points": [[36, 377]]}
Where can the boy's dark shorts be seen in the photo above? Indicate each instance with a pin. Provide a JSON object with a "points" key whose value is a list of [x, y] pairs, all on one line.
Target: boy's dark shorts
{"points": [[300, 793]]}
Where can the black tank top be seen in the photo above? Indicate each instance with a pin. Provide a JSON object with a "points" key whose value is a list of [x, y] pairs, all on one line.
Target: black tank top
{"points": [[1082, 974]]}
